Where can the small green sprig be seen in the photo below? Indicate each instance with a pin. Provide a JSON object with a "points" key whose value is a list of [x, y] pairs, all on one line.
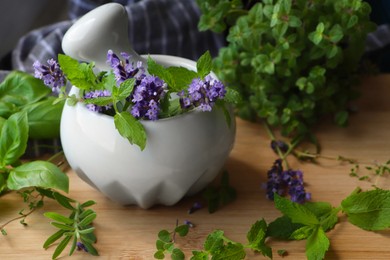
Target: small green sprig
{"points": [[165, 243], [368, 210], [75, 228]]}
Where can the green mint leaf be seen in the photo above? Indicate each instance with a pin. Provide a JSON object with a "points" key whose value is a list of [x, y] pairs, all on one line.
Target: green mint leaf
{"points": [[256, 238], [301, 233], [58, 217], [100, 101], [282, 228], [80, 75], [124, 90], [130, 128], [231, 251], [183, 77], [325, 213], [13, 139], [369, 210], [204, 65], [20, 88], [38, 174], [317, 244], [295, 211], [44, 118], [214, 241], [160, 71]]}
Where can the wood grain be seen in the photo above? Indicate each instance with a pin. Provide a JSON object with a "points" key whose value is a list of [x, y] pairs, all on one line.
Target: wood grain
{"points": [[130, 232]]}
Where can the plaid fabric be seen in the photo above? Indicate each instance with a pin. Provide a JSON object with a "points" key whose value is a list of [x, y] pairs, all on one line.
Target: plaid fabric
{"points": [[155, 27]]}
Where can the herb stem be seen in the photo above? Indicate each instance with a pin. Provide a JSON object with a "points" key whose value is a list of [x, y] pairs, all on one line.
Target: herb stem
{"points": [[279, 152]]}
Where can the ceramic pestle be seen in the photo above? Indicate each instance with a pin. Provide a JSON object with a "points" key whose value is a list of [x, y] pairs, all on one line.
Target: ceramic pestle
{"points": [[98, 31]]}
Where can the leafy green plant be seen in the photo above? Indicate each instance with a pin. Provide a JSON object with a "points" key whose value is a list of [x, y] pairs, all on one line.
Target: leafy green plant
{"points": [[22, 92], [368, 210], [293, 61], [38, 179]]}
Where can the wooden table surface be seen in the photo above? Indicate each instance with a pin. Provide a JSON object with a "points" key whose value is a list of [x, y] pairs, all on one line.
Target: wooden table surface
{"points": [[131, 232]]}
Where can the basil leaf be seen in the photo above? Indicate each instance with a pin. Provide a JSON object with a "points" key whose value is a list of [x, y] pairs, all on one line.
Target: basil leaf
{"points": [[130, 128], [44, 118], [369, 210], [7, 109], [13, 139], [21, 88], [38, 174]]}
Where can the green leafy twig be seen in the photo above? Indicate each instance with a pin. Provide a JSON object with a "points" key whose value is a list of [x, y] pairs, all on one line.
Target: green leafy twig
{"points": [[166, 242]]}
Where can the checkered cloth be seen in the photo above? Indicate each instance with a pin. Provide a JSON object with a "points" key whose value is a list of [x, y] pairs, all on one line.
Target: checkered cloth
{"points": [[155, 26]]}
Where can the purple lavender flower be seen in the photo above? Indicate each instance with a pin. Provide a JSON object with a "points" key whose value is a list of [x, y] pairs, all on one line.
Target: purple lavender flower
{"points": [[294, 181], [51, 74], [274, 183], [123, 69], [202, 93], [290, 181], [96, 94], [146, 97], [81, 246]]}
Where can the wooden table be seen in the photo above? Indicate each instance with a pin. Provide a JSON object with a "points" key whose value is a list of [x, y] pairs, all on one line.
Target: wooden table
{"points": [[131, 232]]}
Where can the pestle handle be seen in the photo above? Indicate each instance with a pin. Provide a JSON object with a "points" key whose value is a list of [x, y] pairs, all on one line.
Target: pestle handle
{"points": [[102, 29]]}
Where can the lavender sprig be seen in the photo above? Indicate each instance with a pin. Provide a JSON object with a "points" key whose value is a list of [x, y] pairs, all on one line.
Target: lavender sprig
{"points": [[51, 74]]}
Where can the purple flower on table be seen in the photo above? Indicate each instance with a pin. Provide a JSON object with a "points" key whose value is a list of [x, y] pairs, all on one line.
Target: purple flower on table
{"points": [[124, 69], [96, 94], [202, 93], [147, 96], [274, 183], [286, 181], [51, 74]]}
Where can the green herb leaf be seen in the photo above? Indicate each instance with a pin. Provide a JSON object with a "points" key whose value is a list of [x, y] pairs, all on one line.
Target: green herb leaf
{"points": [[204, 65], [256, 238], [53, 238], [61, 246], [317, 244], [124, 90], [13, 139], [369, 210], [183, 77], [182, 230], [160, 71], [38, 174], [58, 217], [130, 128], [21, 88], [214, 241], [79, 74], [177, 254], [282, 228], [44, 118], [165, 236], [296, 212]]}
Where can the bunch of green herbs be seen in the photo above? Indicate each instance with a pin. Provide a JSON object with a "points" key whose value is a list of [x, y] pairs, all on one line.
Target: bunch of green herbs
{"points": [[294, 62]]}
